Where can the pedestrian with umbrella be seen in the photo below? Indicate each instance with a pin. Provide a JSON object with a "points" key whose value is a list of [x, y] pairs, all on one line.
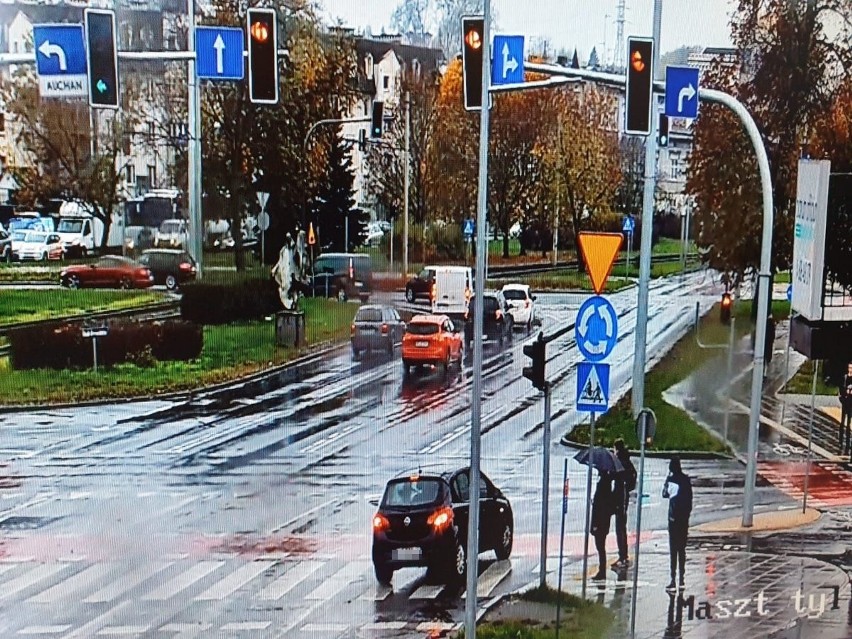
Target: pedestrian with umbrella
{"points": [[603, 504]]}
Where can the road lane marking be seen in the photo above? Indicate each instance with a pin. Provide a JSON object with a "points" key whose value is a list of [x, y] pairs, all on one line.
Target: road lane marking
{"points": [[30, 578], [236, 580], [337, 582], [289, 580], [303, 515], [126, 583], [73, 583], [436, 626], [324, 627], [184, 580], [385, 625], [246, 625], [43, 630], [491, 577], [120, 631], [378, 592], [186, 627], [427, 592]]}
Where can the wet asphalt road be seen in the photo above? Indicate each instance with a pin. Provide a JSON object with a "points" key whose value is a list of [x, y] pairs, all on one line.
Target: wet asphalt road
{"points": [[247, 513]]}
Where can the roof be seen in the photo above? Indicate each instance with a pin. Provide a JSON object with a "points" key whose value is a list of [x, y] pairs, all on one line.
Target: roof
{"points": [[524, 287], [428, 319], [429, 58]]}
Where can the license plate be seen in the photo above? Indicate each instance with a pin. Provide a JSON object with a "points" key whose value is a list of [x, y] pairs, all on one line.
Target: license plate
{"points": [[422, 344], [407, 554]]}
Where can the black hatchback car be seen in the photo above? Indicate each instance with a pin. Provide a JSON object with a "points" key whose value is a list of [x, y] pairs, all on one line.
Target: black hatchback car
{"points": [[422, 521], [171, 267], [420, 285], [497, 322]]}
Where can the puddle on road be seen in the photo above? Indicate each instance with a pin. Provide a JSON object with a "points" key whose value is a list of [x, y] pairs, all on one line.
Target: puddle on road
{"points": [[246, 546]]}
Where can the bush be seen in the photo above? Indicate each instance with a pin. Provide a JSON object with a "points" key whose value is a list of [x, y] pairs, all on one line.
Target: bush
{"points": [[445, 243], [62, 346], [226, 303]]}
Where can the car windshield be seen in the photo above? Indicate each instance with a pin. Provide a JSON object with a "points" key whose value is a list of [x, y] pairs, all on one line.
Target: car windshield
{"points": [[70, 226], [422, 328], [411, 492], [369, 315], [19, 236], [36, 238], [514, 294], [170, 227]]}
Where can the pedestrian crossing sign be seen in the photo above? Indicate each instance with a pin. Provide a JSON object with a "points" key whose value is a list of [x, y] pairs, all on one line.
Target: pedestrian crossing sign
{"points": [[592, 387]]}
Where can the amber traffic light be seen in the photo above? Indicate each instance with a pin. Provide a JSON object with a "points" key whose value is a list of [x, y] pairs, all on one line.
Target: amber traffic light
{"points": [[473, 29], [263, 56], [640, 77]]}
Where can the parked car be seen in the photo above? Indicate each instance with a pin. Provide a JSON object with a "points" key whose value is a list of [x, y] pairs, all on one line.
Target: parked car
{"points": [[423, 521], [38, 245], [453, 291], [171, 267], [373, 233], [421, 285], [376, 328], [109, 271], [173, 233], [431, 340], [521, 305], [5, 245], [497, 322], [343, 276]]}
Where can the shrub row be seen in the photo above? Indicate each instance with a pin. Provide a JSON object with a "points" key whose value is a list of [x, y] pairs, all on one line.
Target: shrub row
{"points": [[222, 304], [63, 346]]}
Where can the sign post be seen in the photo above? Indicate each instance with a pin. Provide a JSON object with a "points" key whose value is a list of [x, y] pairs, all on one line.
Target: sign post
{"points": [[262, 223], [93, 333], [565, 490], [646, 427]]}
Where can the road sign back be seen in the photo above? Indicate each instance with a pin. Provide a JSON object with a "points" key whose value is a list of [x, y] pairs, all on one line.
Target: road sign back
{"points": [[599, 252]]}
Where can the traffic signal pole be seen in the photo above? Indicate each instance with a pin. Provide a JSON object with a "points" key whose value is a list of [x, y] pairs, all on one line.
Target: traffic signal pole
{"points": [[196, 224], [545, 484]]}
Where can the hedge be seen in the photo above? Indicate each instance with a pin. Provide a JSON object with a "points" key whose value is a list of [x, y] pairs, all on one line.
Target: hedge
{"points": [[63, 346], [225, 303]]}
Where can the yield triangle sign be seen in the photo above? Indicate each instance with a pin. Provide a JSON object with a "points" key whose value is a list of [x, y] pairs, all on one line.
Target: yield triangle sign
{"points": [[599, 252]]}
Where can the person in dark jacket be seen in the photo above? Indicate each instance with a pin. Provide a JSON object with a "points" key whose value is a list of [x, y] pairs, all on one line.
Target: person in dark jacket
{"points": [[678, 490], [845, 433], [625, 482], [602, 510]]}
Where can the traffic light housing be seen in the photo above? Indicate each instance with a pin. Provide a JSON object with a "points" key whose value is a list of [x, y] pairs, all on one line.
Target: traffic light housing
{"points": [[263, 56], [725, 310], [663, 130], [377, 125], [535, 372], [640, 76], [473, 48], [102, 58]]}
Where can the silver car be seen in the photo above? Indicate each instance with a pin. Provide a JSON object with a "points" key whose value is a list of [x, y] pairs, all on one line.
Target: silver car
{"points": [[376, 328]]}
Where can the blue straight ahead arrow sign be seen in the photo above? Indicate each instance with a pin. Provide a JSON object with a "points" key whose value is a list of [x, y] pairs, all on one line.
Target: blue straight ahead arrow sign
{"points": [[61, 60], [508, 60], [219, 53], [682, 92]]}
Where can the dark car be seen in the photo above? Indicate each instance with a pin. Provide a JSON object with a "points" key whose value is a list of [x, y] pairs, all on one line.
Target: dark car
{"points": [[422, 521], [109, 271], [420, 285], [5, 246], [343, 276], [171, 267], [376, 328], [497, 321]]}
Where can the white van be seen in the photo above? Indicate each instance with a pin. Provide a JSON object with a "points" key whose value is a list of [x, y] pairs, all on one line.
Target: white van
{"points": [[453, 290]]}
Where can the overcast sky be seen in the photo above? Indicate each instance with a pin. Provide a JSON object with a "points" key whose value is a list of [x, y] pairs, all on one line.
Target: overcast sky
{"points": [[570, 23]]}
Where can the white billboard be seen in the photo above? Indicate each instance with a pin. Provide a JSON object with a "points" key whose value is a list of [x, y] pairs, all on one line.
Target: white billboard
{"points": [[809, 238]]}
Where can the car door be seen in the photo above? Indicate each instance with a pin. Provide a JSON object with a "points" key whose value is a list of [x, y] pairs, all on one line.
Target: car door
{"points": [[460, 493]]}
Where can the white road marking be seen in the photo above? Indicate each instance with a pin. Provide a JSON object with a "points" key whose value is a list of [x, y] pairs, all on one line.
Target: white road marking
{"points": [[185, 627], [338, 581], [30, 578], [76, 582], [377, 593], [126, 583], [246, 625], [432, 626], [427, 592], [183, 580], [236, 580], [385, 625], [121, 631], [493, 575], [324, 627], [43, 630], [289, 580]]}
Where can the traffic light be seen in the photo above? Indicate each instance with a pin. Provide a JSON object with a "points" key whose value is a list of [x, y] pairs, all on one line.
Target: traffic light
{"points": [[663, 130], [473, 46], [640, 76], [377, 125], [263, 56], [102, 58], [535, 372], [725, 311]]}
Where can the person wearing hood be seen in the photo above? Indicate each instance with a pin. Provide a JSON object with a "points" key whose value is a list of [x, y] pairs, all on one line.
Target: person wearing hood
{"points": [[678, 490]]}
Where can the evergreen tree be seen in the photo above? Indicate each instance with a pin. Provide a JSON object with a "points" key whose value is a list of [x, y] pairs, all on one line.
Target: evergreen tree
{"points": [[335, 199], [594, 62]]}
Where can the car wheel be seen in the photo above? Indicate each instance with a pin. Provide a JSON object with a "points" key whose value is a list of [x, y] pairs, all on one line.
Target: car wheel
{"points": [[457, 568], [341, 295], [384, 574], [84, 252], [504, 544], [409, 295], [125, 283], [510, 334], [171, 282], [447, 361], [73, 282], [529, 324]]}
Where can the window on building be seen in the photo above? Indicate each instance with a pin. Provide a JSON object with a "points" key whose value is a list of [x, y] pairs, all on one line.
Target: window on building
{"points": [[675, 166], [130, 174], [415, 69], [386, 82], [152, 175], [368, 65]]}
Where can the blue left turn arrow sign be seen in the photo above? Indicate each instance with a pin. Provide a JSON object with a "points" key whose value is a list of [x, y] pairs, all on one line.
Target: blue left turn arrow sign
{"points": [[60, 60]]}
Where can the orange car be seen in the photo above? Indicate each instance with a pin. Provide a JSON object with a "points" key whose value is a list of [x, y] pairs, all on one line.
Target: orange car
{"points": [[431, 339]]}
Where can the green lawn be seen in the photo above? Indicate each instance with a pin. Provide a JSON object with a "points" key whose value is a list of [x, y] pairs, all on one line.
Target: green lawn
{"points": [[229, 352], [675, 429], [802, 382], [33, 304], [567, 279]]}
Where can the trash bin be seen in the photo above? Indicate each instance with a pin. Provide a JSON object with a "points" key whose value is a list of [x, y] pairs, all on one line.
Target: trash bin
{"points": [[290, 328]]}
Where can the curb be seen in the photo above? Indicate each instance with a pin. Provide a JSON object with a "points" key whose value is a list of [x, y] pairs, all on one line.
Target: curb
{"points": [[656, 454]]}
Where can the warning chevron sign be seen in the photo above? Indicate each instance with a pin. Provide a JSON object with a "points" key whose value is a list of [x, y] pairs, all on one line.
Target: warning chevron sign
{"points": [[592, 387]]}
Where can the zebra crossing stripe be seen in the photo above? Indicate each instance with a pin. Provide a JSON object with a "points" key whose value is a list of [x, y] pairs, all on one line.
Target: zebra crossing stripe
{"points": [[184, 580], [385, 625], [30, 578], [126, 583], [122, 631], [290, 580], [338, 581], [427, 592], [81, 580], [377, 593], [234, 581], [43, 630], [493, 575]]}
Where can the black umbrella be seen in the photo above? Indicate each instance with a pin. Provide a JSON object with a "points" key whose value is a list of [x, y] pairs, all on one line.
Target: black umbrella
{"points": [[601, 459]]}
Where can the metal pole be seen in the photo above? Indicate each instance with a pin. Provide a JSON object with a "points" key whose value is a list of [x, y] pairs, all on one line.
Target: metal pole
{"points": [[562, 540], [638, 394], [641, 490], [588, 504], [391, 246], [406, 179], [810, 438], [686, 243], [194, 157], [545, 481], [95, 353], [479, 289], [346, 233], [731, 341], [263, 247], [786, 365]]}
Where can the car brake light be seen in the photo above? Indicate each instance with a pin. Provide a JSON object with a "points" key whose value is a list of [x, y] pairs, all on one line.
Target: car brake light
{"points": [[186, 266], [352, 330], [441, 518], [527, 303], [384, 329], [380, 522]]}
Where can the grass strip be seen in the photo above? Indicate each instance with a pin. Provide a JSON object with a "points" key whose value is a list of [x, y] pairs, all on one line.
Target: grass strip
{"points": [[29, 305]]}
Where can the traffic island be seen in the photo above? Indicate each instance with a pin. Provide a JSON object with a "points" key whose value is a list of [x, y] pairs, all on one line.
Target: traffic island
{"points": [[763, 522]]}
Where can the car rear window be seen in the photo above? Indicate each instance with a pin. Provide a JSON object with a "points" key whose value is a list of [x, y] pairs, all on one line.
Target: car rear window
{"points": [[514, 294], [369, 315], [422, 328], [405, 492], [490, 304]]}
